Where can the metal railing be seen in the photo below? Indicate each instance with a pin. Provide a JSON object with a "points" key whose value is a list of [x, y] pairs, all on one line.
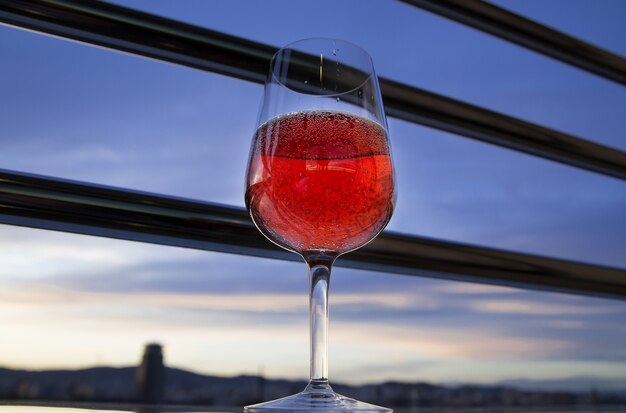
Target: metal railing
{"points": [[48, 203], [40, 202], [527, 33], [143, 34]]}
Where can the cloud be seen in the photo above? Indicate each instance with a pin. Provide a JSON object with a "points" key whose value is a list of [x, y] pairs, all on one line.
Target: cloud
{"points": [[454, 343], [47, 294], [568, 324], [466, 288], [436, 326], [538, 308]]}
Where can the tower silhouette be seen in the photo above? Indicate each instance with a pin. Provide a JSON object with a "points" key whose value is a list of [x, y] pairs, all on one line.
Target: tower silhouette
{"points": [[150, 375]]}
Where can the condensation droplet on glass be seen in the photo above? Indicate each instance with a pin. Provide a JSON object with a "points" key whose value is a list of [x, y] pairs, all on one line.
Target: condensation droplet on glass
{"points": [[306, 82], [338, 99]]}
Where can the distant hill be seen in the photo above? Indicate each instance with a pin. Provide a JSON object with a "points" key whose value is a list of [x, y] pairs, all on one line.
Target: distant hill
{"points": [[572, 384], [98, 383], [107, 384]]}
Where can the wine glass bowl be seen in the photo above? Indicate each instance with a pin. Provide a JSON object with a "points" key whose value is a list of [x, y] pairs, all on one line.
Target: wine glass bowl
{"points": [[320, 180]]}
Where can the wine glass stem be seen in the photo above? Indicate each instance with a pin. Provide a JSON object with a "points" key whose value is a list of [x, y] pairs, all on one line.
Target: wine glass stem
{"points": [[319, 278]]}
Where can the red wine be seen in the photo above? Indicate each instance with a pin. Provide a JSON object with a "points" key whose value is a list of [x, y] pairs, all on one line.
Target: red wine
{"points": [[320, 180]]}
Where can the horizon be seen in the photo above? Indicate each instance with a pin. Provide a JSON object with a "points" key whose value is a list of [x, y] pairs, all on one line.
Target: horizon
{"points": [[83, 113], [582, 384]]}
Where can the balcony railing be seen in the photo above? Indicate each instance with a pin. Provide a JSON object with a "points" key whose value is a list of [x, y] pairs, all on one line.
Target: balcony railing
{"points": [[527, 33], [55, 204]]}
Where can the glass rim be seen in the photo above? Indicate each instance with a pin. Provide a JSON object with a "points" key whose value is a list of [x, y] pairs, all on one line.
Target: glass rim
{"points": [[370, 61]]}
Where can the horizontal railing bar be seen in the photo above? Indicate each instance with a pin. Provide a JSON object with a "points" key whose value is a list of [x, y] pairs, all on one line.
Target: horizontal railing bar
{"points": [[128, 30], [420, 106], [62, 205], [509, 26]]}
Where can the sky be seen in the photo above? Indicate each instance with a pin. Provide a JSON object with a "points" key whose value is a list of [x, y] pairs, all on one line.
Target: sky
{"points": [[74, 111]]}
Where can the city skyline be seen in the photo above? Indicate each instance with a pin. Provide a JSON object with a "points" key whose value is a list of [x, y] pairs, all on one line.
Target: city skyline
{"points": [[120, 120]]}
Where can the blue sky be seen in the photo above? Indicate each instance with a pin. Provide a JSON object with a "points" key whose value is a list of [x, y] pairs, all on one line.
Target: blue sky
{"points": [[84, 113]]}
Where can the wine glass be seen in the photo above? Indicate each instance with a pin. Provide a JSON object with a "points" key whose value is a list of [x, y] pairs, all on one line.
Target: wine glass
{"points": [[320, 181]]}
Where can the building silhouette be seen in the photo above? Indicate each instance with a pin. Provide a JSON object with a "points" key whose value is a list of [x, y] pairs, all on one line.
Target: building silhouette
{"points": [[150, 375]]}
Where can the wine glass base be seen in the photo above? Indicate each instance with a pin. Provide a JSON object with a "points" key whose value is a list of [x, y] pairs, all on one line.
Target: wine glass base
{"points": [[316, 400]]}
